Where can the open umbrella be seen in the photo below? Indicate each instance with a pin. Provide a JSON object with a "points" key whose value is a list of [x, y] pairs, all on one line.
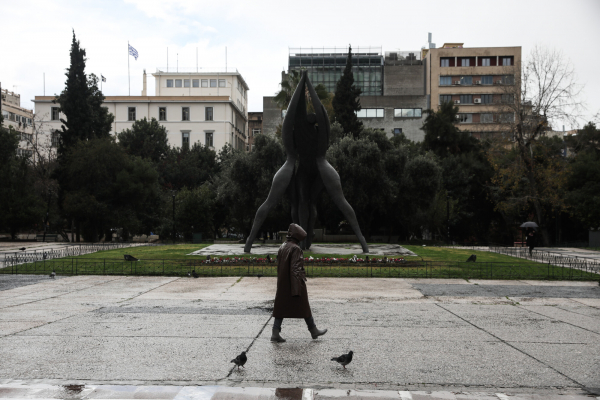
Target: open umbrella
{"points": [[529, 224]]}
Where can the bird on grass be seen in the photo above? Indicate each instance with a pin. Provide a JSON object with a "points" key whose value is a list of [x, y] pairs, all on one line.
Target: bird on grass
{"points": [[22, 248], [130, 258], [194, 274], [52, 275], [473, 258], [240, 360], [344, 359]]}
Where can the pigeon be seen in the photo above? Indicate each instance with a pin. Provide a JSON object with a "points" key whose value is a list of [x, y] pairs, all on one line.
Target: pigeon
{"points": [[473, 258], [22, 248], [194, 274], [259, 276], [268, 258], [130, 258], [344, 359], [52, 274], [240, 360], [189, 274]]}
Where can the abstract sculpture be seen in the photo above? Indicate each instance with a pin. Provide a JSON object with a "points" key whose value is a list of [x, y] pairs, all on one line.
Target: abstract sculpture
{"points": [[305, 139]]}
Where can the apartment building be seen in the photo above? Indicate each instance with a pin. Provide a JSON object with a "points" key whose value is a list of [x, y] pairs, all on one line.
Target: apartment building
{"points": [[209, 108], [20, 119], [254, 127], [480, 81]]}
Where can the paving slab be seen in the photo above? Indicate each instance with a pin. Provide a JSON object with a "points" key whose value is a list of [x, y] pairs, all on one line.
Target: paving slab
{"points": [[510, 290]]}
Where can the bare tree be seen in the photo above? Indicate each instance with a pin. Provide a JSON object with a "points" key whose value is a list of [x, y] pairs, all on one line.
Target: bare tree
{"points": [[545, 92]]}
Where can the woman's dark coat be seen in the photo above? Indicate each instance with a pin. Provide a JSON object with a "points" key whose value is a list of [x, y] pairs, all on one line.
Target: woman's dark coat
{"points": [[291, 300]]}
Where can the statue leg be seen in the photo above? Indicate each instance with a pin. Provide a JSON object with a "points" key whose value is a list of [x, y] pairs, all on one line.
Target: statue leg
{"points": [[302, 191], [331, 181], [281, 180], [315, 190]]}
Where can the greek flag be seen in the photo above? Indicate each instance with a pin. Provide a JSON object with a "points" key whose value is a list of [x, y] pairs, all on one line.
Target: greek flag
{"points": [[133, 52], [103, 78]]}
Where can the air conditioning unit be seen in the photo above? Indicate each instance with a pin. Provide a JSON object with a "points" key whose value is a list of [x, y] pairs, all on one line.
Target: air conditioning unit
{"points": [[478, 82], [456, 83], [477, 101], [498, 82], [456, 101]]}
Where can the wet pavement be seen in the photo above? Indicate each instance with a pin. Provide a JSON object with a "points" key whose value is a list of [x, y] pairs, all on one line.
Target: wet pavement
{"points": [[163, 337]]}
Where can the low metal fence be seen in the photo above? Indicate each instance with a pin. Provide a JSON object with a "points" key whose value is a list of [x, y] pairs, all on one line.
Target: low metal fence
{"points": [[548, 256], [24, 257], [408, 269]]}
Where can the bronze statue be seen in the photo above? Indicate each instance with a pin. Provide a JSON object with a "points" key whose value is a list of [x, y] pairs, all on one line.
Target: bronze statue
{"points": [[306, 139]]}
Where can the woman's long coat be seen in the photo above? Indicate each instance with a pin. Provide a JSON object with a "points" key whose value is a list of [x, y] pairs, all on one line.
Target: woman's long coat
{"points": [[291, 300]]}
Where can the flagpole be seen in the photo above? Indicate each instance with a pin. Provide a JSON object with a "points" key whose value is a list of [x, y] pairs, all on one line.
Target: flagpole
{"points": [[128, 76]]}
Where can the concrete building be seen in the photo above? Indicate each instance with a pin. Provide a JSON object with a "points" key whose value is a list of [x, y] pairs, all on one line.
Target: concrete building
{"points": [[20, 119], [209, 108], [479, 80], [254, 127]]}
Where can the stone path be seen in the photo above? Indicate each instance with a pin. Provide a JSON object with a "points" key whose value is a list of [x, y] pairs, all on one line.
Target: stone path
{"points": [[476, 339], [329, 248]]}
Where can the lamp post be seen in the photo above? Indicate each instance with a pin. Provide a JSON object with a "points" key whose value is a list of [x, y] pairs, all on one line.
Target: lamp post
{"points": [[173, 194]]}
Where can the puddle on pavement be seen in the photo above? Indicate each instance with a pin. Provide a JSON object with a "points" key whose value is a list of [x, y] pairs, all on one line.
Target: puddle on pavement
{"points": [[74, 389], [288, 394]]}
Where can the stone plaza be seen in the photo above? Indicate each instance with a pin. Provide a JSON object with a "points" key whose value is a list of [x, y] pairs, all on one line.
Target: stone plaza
{"points": [[174, 338]]}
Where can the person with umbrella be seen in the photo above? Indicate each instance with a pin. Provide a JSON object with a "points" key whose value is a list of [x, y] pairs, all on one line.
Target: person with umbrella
{"points": [[530, 238]]}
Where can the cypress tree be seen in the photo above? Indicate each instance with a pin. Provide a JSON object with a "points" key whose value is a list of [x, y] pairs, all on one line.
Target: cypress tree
{"points": [[347, 100], [81, 103]]}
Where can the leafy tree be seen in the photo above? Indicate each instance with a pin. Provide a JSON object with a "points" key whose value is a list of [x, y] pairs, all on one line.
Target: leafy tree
{"points": [[441, 134], [194, 211], [110, 189], [146, 139], [583, 187], [288, 85], [187, 167], [19, 204], [347, 100]]}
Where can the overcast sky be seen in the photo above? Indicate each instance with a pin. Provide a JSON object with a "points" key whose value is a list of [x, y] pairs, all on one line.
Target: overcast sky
{"points": [[36, 36]]}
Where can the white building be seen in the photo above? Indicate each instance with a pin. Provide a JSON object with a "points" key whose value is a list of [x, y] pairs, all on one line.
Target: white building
{"points": [[21, 119], [199, 107]]}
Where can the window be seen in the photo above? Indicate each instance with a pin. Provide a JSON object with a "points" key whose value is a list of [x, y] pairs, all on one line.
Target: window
{"points": [[407, 113], [466, 80], [508, 79], [255, 132], [208, 114], [186, 83], [370, 113], [195, 82], [55, 139], [204, 82], [185, 113], [466, 99], [445, 98], [444, 62], [507, 98], [130, 113], [445, 80], [487, 118], [213, 83], [465, 118], [486, 99], [507, 117], [169, 82], [397, 131], [55, 114], [185, 139], [177, 82], [485, 62], [465, 62], [507, 61], [487, 80], [209, 139], [162, 113], [222, 83]]}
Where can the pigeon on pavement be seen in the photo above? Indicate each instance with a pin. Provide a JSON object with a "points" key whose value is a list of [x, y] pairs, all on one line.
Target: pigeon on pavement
{"points": [[189, 274], [344, 359], [473, 258], [194, 274], [259, 276], [240, 360], [52, 274]]}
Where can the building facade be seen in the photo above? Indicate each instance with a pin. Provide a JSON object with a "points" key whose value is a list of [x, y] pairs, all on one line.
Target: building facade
{"points": [[205, 108], [254, 127], [20, 119], [480, 81]]}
